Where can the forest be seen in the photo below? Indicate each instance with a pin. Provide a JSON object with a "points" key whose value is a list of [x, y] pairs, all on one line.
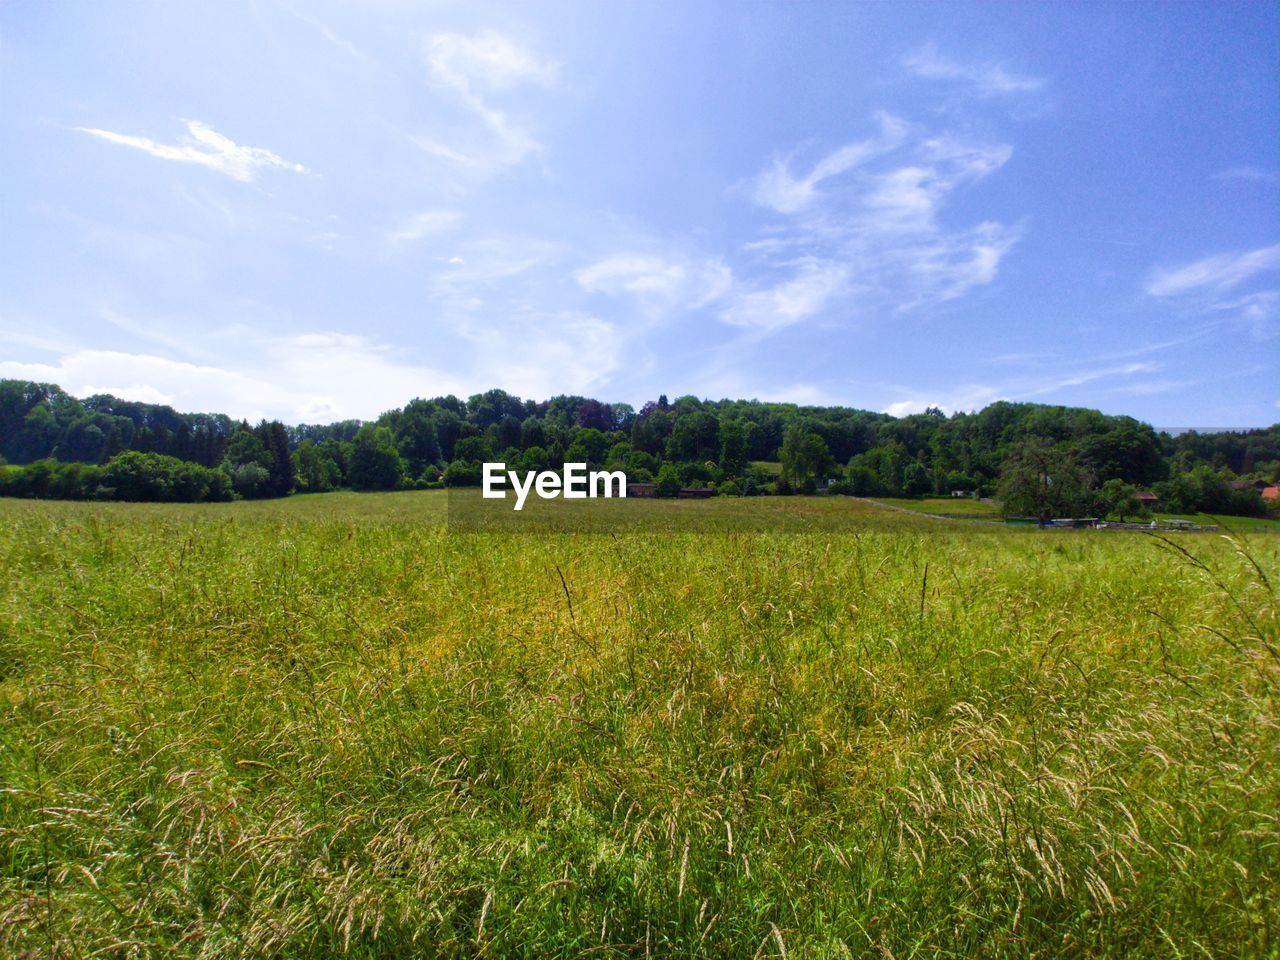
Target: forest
{"points": [[54, 445]]}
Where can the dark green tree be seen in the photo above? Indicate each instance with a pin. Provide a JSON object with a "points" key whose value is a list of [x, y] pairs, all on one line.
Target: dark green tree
{"points": [[1043, 480], [668, 481], [804, 456], [733, 448], [375, 462]]}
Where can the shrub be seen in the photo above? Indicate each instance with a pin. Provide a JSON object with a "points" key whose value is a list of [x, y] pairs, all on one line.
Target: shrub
{"points": [[668, 482]]}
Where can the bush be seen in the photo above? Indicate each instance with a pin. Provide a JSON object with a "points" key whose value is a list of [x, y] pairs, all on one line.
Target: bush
{"points": [[128, 476], [375, 462], [250, 480], [463, 473], [155, 477], [668, 482]]}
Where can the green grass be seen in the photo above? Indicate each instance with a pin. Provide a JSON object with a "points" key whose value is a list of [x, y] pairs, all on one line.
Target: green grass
{"points": [[964, 508], [333, 726], [1241, 524]]}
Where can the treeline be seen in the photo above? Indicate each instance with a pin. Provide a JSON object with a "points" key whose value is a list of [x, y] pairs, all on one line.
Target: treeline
{"points": [[737, 447]]}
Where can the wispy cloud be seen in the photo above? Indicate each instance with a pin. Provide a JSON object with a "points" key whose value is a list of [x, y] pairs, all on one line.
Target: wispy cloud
{"points": [[878, 230], [1218, 273], [974, 396], [425, 224], [687, 283], [779, 188], [985, 77], [474, 68], [205, 147], [808, 292], [1251, 174]]}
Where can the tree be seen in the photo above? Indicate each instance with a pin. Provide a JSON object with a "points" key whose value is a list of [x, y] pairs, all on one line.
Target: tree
{"points": [[1043, 480], [733, 448], [375, 462], [804, 455], [245, 446], [1119, 499], [415, 436], [275, 441], [316, 470], [668, 481], [249, 480], [915, 479], [473, 450]]}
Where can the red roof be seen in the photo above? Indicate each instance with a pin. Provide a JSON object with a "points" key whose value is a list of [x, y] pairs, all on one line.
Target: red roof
{"points": [[1146, 496]]}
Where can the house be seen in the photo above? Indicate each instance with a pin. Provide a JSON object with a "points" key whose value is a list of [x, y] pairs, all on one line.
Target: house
{"points": [[1146, 498], [1271, 493], [695, 493], [1247, 484], [642, 489]]}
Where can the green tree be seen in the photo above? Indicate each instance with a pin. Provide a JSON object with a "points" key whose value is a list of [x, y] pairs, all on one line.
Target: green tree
{"points": [[415, 436], [804, 456], [375, 462], [275, 441], [733, 448], [316, 470], [1119, 499], [245, 446], [668, 481], [1043, 480]]}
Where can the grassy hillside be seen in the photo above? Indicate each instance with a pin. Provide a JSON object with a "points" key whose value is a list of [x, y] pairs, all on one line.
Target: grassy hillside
{"points": [[332, 726]]}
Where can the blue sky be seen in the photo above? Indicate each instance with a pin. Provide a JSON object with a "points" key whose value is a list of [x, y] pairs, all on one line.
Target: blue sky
{"points": [[316, 210]]}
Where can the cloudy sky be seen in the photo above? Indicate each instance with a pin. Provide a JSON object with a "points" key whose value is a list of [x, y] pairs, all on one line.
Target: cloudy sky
{"points": [[315, 210]]}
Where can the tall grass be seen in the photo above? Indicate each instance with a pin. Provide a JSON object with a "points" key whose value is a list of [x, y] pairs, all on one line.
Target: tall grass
{"points": [[334, 728]]}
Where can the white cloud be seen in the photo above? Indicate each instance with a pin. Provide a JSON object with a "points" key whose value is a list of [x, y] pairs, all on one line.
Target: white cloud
{"points": [[1251, 174], [206, 147], [905, 408], [138, 392], [1217, 273], [691, 284], [908, 198], [951, 265], [426, 224], [882, 224], [486, 58], [815, 284], [543, 354], [1258, 313], [986, 78], [1208, 288], [961, 400], [631, 274], [473, 69], [975, 396], [308, 377], [778, 188]]}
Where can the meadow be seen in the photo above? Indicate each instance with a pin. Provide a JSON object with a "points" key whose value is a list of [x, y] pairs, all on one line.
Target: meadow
{"points": [[964, 508], [337, 726]]}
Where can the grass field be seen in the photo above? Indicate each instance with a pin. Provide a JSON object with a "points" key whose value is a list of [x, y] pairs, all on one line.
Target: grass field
{"points": [[962, 508], [1234, 524], [333, 726]]}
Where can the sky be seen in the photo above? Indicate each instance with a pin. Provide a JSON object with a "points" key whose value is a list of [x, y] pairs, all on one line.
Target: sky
{"points": [[315, 210]]}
